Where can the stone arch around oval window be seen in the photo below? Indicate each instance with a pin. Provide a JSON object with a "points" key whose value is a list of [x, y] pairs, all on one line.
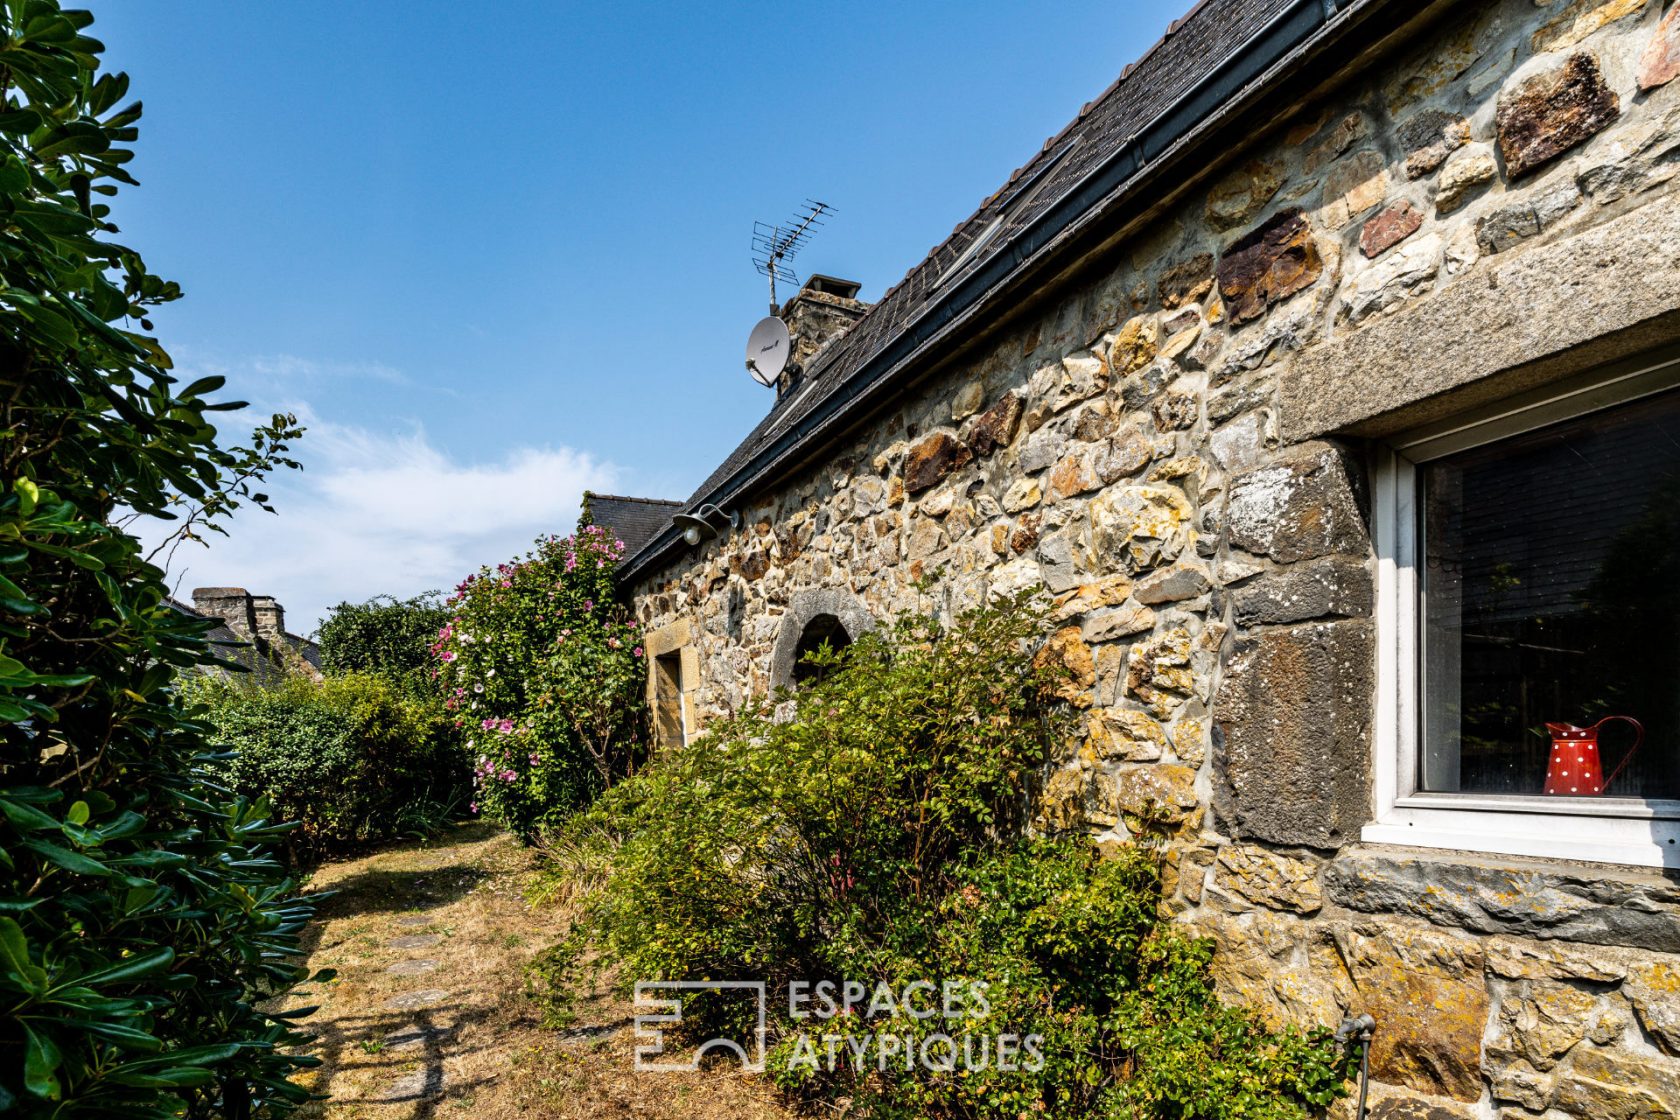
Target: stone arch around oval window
{"points": [[812, 617]]}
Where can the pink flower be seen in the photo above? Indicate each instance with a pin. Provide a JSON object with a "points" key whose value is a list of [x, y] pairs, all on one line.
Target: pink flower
{"points": [[637, 651]]}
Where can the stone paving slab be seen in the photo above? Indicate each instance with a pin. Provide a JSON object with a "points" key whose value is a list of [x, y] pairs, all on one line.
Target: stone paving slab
{"points": [[415, 941], [412, 968], [424, 997]]}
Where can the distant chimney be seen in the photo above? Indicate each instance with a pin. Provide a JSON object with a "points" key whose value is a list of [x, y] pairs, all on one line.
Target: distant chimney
{"points": [[270, 618], [822, 311], [230, 604]]}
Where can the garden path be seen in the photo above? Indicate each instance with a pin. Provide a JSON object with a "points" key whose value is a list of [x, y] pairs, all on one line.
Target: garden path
{"points": [[429, 1015]]}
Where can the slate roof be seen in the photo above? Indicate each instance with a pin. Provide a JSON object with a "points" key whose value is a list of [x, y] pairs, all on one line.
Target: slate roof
{"points": [[307, 649], [1173, 77], [635, 521], [1143, 90]]}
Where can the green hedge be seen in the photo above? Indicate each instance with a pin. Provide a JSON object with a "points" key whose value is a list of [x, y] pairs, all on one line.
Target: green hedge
{"points": [[351, 758], [387, 636]]}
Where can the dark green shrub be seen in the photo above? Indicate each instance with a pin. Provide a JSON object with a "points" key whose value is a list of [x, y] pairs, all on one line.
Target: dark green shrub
{"points": [[877, 836], [350, 758], [144, 920], [388, 637]]}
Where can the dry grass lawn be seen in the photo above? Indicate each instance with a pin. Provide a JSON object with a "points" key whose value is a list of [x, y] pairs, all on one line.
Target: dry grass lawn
{"points": [[429, 1017]]}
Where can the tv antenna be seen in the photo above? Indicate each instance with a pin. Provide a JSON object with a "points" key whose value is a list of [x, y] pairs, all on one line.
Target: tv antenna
{"points": [[774, 245]]}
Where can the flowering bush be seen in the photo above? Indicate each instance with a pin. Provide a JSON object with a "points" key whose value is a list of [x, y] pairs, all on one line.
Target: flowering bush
{"points": [[543, 670]]}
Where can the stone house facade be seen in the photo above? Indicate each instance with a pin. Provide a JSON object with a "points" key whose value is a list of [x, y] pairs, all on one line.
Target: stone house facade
{"points": [[251, 638], [1323, 371]]}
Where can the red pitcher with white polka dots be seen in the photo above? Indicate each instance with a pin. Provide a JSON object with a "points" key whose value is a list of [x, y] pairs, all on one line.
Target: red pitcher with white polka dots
{"points": [[1575, 769]]}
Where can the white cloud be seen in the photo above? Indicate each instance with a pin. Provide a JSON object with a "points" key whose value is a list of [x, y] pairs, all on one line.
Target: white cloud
{"points": [[375, 514]]}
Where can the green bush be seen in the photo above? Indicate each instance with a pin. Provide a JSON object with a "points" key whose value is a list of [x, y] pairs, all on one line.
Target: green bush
{"points": [[545, 671], [387, 637], [350, 758], [1070, 949], [769, 839], [144, 921], [877, 836]]}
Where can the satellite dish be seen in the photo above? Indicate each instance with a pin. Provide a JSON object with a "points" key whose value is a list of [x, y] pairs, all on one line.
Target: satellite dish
{"points": [[767, 350]]}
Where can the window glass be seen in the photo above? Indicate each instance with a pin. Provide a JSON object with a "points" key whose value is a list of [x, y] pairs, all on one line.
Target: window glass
{"points": [[1551, 602]]}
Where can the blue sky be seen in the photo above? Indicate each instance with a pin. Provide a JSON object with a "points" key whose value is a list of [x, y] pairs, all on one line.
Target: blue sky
{"points": [[494, 253]]}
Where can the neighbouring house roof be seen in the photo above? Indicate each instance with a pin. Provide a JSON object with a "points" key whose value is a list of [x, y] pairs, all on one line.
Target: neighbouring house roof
{"points": [[305, 648], [263, 667], [1209, 58], [635, 521]]}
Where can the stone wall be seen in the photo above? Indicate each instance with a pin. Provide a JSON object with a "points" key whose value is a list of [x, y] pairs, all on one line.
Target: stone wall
{"points": [[1174, 450]]}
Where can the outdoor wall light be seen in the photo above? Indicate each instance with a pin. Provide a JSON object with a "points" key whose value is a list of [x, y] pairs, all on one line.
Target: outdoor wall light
{"points": [[705, 523]]}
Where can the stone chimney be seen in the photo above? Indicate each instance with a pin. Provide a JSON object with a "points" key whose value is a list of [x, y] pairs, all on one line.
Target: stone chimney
{"points": [[230, 604], [270, 619], [822, 311]]}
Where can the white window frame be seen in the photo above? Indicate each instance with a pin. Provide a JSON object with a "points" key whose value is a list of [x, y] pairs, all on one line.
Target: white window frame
{"points": [[1623, 831]]}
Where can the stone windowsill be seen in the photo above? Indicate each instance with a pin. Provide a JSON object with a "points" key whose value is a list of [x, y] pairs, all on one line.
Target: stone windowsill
{"points": [[1596, 904]]}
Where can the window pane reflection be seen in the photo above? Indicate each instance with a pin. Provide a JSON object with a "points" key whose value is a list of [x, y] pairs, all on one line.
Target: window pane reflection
{"points": [[1551, 595]]}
